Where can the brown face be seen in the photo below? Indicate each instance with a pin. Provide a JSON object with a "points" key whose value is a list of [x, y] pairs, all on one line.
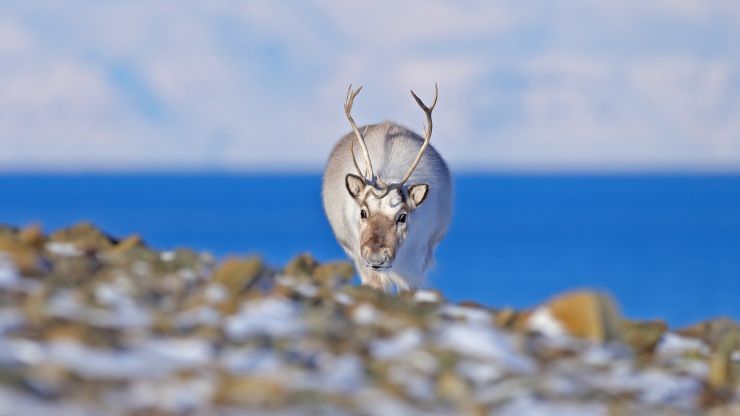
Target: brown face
{"points": [[383, 221], [379, 238]]}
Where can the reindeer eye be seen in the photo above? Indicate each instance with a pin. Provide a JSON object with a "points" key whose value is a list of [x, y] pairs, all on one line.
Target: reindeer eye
{"points": [[363, 214], [401, 219]]}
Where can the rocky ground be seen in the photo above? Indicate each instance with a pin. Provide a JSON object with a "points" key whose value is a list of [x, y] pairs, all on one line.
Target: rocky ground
{"points": [[90, 324]]}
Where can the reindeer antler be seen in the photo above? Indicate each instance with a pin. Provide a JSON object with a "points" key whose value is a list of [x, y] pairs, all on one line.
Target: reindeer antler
{"points": [[369, 174], [427, 132]]}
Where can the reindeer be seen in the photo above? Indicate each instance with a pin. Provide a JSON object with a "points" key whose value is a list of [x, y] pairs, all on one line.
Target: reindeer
{"points": [[389, 215]]}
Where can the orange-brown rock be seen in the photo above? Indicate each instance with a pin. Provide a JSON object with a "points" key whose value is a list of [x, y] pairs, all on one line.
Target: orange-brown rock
{"points": [[85, 236], [712, 331], [126, 245], [252, 391], [238, 274], [25, 257], [643, 336], [585, 314], [33, 236]]}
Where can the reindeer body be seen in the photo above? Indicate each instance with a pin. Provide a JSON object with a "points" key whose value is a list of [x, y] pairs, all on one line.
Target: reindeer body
{"points": [[392, 149]]}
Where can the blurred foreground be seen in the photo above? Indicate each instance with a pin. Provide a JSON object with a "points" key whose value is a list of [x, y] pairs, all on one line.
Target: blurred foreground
{"points": [[91, 324]]}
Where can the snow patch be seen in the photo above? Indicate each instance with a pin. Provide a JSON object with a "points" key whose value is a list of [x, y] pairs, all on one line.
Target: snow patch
{"points": [[216, 293], [398, 346], [673, 344], [473, 315], [485, 343], [365, 314], [544, 322], [343, 298], [167, 256], [268, 316], [63, 249], [426, 296], [9, 276]]}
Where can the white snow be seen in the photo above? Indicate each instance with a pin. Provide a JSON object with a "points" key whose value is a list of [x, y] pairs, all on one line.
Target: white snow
{"points": [[470, 314], [654, 386], [10, 319], [141, 268], [343, 298], [306, 290], [202, 315], [365, 314], [63, 249], [484, 343], [13, 402], [151, 359], [673, 345], [252, 361], [20, 352], [111, 295], [543, 321], [419, 386], [426, 296], [604, 354], [269, 316], [479, 372], [187, 275], [124, 313], [532, 406], [8, 272], [216, 293], [167, 256], [342, 374], [185, 352], [175, 396], [397, 346]]}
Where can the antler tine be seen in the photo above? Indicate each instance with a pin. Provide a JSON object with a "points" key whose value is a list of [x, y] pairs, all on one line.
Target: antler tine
{"points": [[354, 160], [352, 151], [369, 174], [427, 132]]}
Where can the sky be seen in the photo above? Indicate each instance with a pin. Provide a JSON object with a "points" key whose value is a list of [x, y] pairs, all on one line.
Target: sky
{"points": [[612, 85]]}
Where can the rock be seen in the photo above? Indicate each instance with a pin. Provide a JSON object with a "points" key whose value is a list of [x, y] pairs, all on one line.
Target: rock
{"points": [[127, 245], [452, 388], [6, 231], [333, 272], [85, 237], [712, 331], [584, 314], [32, 236], [512, 319], [720, 362], [238, 275], [48, 381], [118, 327], [643, 336], [302, 265], [250, 391], [23, 250]]}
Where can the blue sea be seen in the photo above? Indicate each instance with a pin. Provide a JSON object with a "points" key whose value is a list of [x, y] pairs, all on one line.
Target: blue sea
{"points": [[666, 246]]}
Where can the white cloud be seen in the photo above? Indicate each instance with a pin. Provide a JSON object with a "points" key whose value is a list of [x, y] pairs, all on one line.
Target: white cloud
{"points": [[609, 85]]}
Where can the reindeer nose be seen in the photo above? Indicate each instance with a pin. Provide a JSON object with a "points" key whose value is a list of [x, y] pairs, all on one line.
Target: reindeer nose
{"points": [[377, 259]]}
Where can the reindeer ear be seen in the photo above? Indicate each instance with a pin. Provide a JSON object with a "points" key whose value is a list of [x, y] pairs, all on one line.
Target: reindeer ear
{"points": [[355, 185], [418, 193]]}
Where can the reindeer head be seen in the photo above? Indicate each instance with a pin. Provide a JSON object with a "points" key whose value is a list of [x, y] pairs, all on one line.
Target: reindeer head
{"points": [[385, 209]]}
